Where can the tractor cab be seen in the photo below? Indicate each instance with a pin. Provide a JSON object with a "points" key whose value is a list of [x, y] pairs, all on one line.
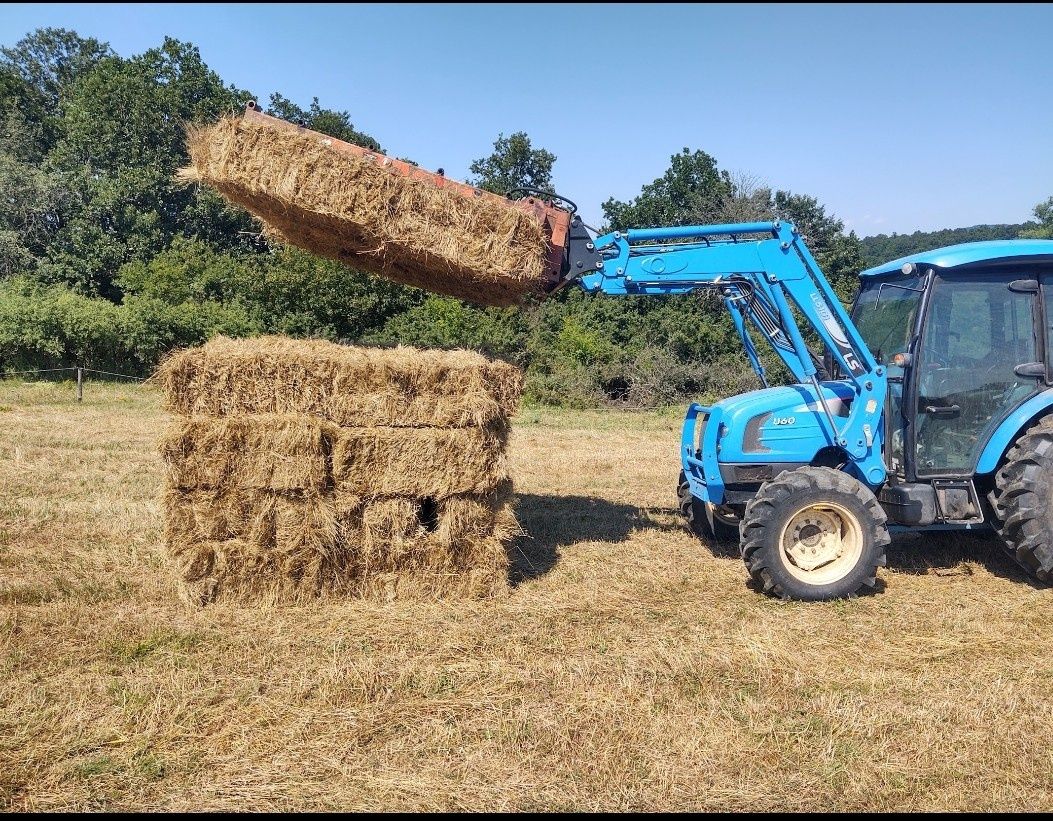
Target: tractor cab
{"points": [[962, 333]]}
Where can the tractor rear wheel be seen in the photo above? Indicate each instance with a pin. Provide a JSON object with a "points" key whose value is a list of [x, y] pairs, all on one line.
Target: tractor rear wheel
{"points": [[704, 519], [814, 534], [1023, 501]]}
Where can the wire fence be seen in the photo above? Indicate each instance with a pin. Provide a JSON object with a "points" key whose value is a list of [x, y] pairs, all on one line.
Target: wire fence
{"points": [[80, 374]]}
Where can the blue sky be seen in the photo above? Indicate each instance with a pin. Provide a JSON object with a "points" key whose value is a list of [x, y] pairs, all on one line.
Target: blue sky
{"points": [[898, 118]]}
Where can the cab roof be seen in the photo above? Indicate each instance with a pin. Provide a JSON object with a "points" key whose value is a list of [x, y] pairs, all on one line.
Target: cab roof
{"points": [[971, 253]]}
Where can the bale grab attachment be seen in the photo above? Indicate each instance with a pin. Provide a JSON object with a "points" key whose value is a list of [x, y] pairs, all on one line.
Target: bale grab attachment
{"points": [[384, 215]]}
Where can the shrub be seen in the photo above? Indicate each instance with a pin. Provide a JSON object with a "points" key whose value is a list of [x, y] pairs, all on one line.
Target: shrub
{"points": [[43, 328]]}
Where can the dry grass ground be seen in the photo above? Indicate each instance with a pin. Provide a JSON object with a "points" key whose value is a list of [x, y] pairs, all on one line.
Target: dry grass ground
{"points": [[630, 668]]}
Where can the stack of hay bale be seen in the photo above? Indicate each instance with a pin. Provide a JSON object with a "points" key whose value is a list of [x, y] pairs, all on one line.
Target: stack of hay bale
{"points": [[304, 469]]}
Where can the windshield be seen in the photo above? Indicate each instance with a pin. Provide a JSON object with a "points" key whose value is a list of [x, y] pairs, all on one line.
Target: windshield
{"points": [[884, 313]]}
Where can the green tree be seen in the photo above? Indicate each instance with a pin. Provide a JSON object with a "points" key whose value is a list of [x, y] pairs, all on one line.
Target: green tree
{"points": [[133, 113], [514, 163], [122, 139], [56, 328], [1044, 214], [33, 205], [691, 192], [441, 322], [51, 59], [34, 202], [326, 120], [27, 129], [286, 291], [293, 292]]}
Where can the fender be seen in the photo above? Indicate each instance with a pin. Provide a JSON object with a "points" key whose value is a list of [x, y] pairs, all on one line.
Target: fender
{"points": [[1010, 427]]}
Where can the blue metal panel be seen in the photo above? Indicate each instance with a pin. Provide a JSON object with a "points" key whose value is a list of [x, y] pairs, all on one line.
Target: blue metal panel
{"points": [[794, 431], [669, 269], [796, 427], [1004, 435], [690, 231], [969, 253], [703, 474]]}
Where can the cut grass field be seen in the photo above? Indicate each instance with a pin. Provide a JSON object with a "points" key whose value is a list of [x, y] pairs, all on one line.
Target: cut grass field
{"points": [[631, 667]]}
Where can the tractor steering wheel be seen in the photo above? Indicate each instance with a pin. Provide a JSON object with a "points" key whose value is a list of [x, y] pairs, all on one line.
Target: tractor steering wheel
{"points": [[936, 376], [936, 361]]}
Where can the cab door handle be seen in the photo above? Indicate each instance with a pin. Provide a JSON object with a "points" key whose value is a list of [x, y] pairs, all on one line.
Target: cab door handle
{"points": [[943, 410]]}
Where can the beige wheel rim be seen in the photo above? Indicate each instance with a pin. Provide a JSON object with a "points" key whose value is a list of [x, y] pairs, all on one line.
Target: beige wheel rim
{"points": [[821, 543]]}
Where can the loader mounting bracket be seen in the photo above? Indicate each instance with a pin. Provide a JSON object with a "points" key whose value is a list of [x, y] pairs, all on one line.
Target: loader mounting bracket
{"points": [[582, 256]]}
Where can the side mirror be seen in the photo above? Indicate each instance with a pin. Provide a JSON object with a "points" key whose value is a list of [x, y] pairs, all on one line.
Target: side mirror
{"points": [[1031, 370]]}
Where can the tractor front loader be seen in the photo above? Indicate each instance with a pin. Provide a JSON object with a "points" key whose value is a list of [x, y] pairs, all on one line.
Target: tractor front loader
{"points": [[935, 411]]}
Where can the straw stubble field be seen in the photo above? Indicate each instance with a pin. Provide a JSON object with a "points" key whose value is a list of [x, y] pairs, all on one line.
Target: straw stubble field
{"points": [[629, 668]]}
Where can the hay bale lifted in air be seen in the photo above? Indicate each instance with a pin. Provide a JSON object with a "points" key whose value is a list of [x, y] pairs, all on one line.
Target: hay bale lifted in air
{"points": [[352, 206], [291, 503]]}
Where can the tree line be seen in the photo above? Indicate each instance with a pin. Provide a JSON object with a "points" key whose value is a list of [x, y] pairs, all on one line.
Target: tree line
{"points": [[107, 261], [884, 247]]}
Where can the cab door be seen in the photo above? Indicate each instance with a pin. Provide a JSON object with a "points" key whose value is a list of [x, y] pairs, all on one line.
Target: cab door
{"points": [[886, 313], [978, 339]]}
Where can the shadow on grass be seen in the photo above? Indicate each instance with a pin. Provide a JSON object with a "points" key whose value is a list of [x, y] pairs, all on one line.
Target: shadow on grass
{"points": [[719, 547], [552, 522], [946, 553]]}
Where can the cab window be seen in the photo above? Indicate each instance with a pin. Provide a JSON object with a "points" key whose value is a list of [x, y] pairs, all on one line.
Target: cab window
{"points": [[976, 332]]}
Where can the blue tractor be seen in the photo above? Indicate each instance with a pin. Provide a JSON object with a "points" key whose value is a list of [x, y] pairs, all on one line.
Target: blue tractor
{"points": [[931, 408]]}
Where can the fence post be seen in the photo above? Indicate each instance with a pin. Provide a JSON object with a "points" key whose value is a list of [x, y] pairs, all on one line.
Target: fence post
{"points": [[80, 385]]}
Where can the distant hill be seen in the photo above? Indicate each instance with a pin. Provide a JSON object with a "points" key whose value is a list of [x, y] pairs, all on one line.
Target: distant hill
{"points": [[884, 247]]}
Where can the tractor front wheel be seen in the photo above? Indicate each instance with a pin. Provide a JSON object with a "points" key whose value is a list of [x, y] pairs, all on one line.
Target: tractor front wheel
{"points": [[704, 519], [814, 534]]}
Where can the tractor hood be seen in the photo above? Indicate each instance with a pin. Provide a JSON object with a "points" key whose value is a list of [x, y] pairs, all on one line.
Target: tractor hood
{"points": [[784, 424]]}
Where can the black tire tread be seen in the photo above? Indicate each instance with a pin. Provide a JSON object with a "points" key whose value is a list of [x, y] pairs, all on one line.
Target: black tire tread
{"points": [[805, 481], [693, 517], [1021, 498]]}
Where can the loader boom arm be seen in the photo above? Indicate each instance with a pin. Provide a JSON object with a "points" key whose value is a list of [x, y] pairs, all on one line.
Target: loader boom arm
{"points": [[765, 273]]}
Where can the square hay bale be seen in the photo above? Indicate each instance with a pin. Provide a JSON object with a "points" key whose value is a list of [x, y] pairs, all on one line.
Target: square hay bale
{"points": [[192, 516], [420, 462], [284, 452], [288, 504], [348, 386], [262, 471], [266, 452], [281, 548], [354, 210]]}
